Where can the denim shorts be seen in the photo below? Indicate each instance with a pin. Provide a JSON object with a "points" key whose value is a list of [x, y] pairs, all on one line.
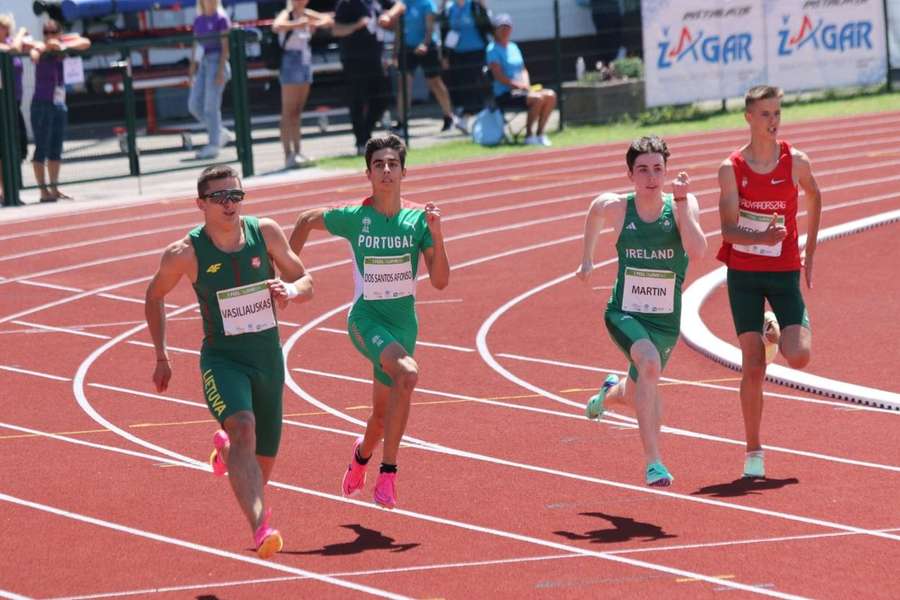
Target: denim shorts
{"points": [[48, 123], [294, 71]]}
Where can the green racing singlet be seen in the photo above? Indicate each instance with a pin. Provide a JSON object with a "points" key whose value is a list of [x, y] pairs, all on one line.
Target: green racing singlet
{"points": [[652, 265]]}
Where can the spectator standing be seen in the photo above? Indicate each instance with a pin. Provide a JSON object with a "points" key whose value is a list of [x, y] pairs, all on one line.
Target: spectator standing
{"points": [[49, 114], [294, 26], [361, 25], [15, 41], [420, 37], [466, 34], [209, 74]]}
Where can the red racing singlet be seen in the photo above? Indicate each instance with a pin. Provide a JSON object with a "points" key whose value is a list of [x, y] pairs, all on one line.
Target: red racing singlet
{"points": [[761, 195]]}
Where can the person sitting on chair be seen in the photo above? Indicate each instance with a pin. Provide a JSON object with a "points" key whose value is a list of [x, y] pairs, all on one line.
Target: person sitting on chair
{"points": [[512, 85]]}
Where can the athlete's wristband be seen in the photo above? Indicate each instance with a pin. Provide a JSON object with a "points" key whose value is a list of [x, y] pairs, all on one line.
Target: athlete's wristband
{"points": [[291, 290]]}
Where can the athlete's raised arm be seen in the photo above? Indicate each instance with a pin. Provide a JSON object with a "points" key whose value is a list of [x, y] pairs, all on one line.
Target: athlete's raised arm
{"points": [[436, 256], [308, 220], [687, 218], [177, 261], [605, 209], [807, 181], [294, 282]]}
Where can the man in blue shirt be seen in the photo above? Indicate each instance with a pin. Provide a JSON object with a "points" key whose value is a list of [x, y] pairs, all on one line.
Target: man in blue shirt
{"points": [[420, 39], [467, 31], [512, 84]]}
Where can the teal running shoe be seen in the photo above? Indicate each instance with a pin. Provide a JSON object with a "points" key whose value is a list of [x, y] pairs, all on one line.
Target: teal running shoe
{"points": [[594, 408], [658, 475], [754, 465]]}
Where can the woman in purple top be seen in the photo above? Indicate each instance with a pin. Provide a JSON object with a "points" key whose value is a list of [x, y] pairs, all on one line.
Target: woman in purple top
{"points": [[209, 75], [48, 106], [15, 43]]}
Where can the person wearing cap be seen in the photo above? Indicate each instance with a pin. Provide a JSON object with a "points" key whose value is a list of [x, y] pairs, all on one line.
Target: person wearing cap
{"points": [[512, 85]]}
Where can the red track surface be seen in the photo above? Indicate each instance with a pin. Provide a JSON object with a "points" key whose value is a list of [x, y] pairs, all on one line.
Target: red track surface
{"points": [[508, 492]]}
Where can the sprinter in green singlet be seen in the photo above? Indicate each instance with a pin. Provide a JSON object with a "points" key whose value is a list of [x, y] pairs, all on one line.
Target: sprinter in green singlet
{"points": [[656, 233], [229, 259], [386, 235]]}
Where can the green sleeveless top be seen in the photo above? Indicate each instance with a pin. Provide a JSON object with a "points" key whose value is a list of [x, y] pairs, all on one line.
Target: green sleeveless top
{"points": [[236, 314], [652, 264]]}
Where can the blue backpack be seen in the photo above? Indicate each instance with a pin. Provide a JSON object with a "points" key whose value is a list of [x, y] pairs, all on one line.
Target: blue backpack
{"points": [[488, 127]]}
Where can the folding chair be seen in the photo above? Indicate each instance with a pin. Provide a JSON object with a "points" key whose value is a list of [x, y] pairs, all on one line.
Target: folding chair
{"points": [[512, 131]]}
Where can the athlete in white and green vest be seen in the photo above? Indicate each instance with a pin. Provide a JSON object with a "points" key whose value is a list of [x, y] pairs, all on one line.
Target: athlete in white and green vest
{"points": [[231, 260], [386, 235], [656, 233]]}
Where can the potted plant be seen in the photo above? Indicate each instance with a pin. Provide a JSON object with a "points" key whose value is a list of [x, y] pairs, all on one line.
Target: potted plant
{"points": [[607, 93]]}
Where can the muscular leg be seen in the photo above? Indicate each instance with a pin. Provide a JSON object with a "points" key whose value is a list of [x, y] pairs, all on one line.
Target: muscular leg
{"points": [[647, 402], [404, 372], [381, 396], [534, 111], [548, 103], [244, 472], [796, 345], [437, 87], [753, 372]]}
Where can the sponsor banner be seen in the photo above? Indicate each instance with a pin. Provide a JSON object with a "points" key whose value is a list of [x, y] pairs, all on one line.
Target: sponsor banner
{"points": [[818, 44], [701, 50]]}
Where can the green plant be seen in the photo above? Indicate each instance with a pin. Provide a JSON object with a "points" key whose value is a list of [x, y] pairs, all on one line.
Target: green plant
{"points": [[630, 67]]}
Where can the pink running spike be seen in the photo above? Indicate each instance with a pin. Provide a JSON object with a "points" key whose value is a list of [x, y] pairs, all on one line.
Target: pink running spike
{"points": [[267, 539], [216, 459], [386, 490], [355, 475]]}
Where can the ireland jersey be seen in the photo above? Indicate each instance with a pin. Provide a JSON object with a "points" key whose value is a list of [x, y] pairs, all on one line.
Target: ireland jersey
{"points": [[652, 264], [385, 257]]}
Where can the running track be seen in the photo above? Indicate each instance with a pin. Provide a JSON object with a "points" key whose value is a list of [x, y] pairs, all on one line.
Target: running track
{"points": [[505, 489]]}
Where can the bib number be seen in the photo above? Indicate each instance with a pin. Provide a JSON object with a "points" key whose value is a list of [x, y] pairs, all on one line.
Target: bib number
{"points": [[648, 291], [752, 221], [387, 277], [246, 309]]}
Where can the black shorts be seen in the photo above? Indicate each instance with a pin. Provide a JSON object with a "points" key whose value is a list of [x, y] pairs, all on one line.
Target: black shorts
{"points": [[749, 290], [514, 100], [430, 62]]}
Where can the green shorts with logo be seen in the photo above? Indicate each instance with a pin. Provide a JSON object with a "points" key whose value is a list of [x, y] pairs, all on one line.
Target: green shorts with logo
{"points": [[372, 336], [626, 328], [749, 290], [246, 380]]}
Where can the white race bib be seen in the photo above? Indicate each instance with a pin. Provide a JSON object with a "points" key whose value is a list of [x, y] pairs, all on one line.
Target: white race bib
{"points": [[758, 222], [59, 95], [648, 291], [246, 309], [452, 40], [73, 70], [388, 277]]}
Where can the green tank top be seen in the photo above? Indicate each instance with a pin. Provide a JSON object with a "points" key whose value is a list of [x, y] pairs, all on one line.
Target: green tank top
{"points": [[236, 315], [652, 264]]}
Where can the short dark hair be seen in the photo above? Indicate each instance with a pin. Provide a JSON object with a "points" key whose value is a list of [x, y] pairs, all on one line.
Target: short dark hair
{"points": [[211, 173], [761, 92], [649, 144], [380, 143]]}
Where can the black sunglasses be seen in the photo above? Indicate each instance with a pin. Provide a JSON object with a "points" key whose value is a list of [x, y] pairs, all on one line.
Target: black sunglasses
{"points": [[225, 196]]}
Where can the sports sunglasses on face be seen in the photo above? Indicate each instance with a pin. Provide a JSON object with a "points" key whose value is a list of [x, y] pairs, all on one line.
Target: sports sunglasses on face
{"points": [[225, 196]]}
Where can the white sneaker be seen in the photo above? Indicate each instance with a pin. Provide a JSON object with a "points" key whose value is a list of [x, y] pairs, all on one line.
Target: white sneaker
{"points": [[771, 335], [461, 125], [545, 141], [533, 140], [208, 151], [302, 159], [225, 137], [290, 161]]}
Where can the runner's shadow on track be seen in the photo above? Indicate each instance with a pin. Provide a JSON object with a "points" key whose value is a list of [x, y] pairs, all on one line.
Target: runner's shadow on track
{"points": [[624, 529], [369, 539], [744, 486]]}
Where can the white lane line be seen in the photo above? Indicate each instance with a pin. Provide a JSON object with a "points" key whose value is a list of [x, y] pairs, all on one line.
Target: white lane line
{"points": [[33, 373], [418, 343], [198, 547], [12, 596], [187, 462], [427, 391], [628, 424], [712, 386], [454, 565]]}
